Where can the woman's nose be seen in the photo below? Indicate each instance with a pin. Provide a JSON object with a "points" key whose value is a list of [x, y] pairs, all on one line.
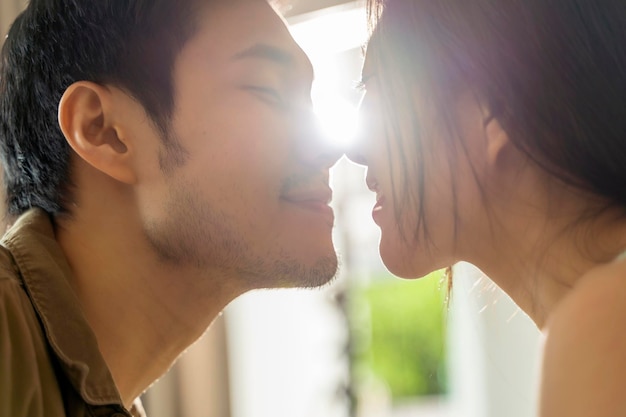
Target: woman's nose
{"points": [[312, 148], [358, 148]]}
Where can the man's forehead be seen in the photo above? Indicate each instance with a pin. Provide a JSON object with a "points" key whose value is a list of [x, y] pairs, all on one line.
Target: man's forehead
{"points": [[238, 22], [281, 6], [244, 31], [240, 16]]}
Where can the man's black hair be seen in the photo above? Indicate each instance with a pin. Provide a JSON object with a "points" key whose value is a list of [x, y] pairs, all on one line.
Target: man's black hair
{"points": [[131, 44]]}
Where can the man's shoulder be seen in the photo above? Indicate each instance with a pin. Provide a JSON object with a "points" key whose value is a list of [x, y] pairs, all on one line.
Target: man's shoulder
{"points": [[12, 293], [9, 274], [19, 322], [28, 244], [17, 314], [28, 385]]}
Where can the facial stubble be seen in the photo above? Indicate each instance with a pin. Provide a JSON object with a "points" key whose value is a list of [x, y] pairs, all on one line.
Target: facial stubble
{"points": [[195, 235]]}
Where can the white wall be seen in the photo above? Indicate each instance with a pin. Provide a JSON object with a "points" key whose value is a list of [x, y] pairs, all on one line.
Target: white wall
{"points": [[494, 350], [287, 355]]}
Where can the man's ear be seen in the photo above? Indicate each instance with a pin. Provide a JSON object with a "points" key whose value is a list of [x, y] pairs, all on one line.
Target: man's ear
{"points": [[88, 121]]}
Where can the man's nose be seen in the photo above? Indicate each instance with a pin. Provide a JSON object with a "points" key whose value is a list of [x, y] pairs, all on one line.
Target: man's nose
{"points": [[314, 148], [360, 144], [324, 156]]}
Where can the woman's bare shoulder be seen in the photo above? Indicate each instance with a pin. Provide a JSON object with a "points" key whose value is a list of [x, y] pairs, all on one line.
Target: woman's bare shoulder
{"points": [[584, 369]]}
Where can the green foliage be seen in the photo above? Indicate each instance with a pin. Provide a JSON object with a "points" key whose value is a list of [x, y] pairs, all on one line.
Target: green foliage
{"points": [[399, 333]]}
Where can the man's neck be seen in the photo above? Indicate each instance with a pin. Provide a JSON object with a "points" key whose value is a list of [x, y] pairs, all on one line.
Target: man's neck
{"points": [[144, 312]]}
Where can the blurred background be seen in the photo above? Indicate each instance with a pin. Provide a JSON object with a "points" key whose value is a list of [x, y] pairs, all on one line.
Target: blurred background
{"points": [[369, 344]]}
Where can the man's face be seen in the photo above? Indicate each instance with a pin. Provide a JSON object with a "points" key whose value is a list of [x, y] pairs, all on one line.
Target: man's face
{"points": [[251, 198]]}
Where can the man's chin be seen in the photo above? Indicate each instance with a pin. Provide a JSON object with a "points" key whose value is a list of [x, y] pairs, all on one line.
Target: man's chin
{"points": [[322, 273], [289, 273]]}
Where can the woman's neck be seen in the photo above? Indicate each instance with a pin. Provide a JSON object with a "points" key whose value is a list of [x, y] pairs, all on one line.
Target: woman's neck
{"points": [[537, 259]]}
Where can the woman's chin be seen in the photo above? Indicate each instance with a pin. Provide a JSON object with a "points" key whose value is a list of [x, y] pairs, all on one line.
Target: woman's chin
{"points": [[403, 263]]}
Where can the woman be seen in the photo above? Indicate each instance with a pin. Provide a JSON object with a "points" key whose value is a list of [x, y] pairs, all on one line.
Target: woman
{"points": [[496, 134]]}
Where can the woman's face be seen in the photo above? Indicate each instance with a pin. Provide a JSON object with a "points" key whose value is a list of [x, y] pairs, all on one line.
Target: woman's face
{"points": [[420, 173]]}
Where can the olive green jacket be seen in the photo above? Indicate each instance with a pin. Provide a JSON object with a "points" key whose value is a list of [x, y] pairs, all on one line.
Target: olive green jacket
{"points": [[50, 364]]}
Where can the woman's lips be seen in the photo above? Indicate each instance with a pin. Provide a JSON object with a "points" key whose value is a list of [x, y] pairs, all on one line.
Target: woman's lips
{"points": [[379, 204], [377, 210], [372, 184]]}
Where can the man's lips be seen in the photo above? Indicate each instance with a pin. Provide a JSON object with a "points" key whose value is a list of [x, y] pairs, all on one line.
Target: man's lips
{"points": [[315, 201]]}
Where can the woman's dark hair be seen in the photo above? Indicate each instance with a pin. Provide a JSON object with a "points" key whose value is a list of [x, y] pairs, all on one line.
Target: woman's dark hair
{"points": [[552, 72], [131, 44]]}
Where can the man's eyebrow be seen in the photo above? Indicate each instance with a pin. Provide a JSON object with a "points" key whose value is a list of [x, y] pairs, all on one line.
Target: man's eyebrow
{"points": [[267, 52]]}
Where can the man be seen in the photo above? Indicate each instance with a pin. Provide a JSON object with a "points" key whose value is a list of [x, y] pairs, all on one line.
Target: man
{"points": [[159, 161]]}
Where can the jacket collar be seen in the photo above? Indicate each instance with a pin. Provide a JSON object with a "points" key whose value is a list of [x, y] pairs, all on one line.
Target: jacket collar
{"points": [[45, 271]]}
